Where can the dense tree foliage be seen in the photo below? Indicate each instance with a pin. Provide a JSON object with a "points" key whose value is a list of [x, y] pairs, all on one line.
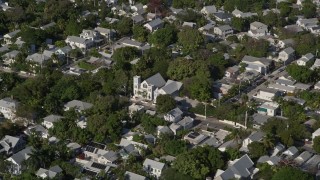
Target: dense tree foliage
{"points": [[199, 162], [190, 39], [302, 73], [163, 37], [165, 103], [257, 149], [287, 173]]}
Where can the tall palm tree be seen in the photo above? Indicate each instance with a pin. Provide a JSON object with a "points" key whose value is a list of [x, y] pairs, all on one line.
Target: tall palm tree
{"points": [[268, 141]]}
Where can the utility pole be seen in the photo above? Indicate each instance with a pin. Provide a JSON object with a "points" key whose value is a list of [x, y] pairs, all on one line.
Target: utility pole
{"points": [[246, 119], [205, 110]]}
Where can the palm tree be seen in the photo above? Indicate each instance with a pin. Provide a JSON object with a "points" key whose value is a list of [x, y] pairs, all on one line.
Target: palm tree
{"points": [[268, 141]]}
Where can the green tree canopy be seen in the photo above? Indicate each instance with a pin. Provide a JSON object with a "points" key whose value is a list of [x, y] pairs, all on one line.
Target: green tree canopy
{"points": [[163, 37], [257, 149], [316, 144], [199, 162], [289, 173], [190, 39], [165, 103]]}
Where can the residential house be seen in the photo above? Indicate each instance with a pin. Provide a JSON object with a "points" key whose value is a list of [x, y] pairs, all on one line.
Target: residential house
{"points": [[207, 10], [9, 57], [133, 176], [195, 138], [96, 152], [174, 115], [269, 108], [287, 55], [163, 130], [267, 94], [303, 157], [316, 64], [261, 65], [78, 42], [63, 52], [189, 24], [47, 26], [312, 165], [130, 147], [254, 137], [170, 88], [242, 168], [222, 17], [4, 48], [155, 85], [305, 59], [38, 59], [154, 25], [17, 159], [223, 31], [258, 29], [152, 167], [295, 100], [49, 121], [291, 153], [8, 38], [133, 108], [37, 130], [259, 120], [77, 105], [108, 34], [94, 169], [272, 160], [294, 28], [239, 14], [285, 43], [229, 144], [307, 24], [186, 122], [8, 108], [316, 133], [11, 145], [279, 148], [138, 19], [49, 173], [232, 72], [92, 35]]}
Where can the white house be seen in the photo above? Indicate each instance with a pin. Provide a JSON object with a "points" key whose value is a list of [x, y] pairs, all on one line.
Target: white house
{"points": [[269, 108], [305, 59], [78, 42], [261, 65], [258, 29], [153, 167], [9, 37], [242, 168], [174, 115], [11, 145], [48, 121], [316, 64], [254, 137], [223, 31], [207, 10], [232, 72], [267, 94], [154, 25], [287, 55], [16, 160], [155, 85], [316, 133], [92, 35], [8, 108], [10, 57], [133, 176], [49, 173], [78, 105], [239, 14]]}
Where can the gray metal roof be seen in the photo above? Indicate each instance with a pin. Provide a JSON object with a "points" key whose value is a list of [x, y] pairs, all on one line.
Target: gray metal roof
{"points": [[52, 118], [155, 22], [240, 168], [7, 140], [8, 103], [175, 112], [260, 119], [285, 82], [156, 80], [172, 86], [289, 50], [133, 176], [22, 155], [303, 157], [256, 136], [224, 27], [78, 104], [153, 164], [185, 121]]}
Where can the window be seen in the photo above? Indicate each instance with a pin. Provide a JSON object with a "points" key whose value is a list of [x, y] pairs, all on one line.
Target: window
{"points": [[144, 86]]}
